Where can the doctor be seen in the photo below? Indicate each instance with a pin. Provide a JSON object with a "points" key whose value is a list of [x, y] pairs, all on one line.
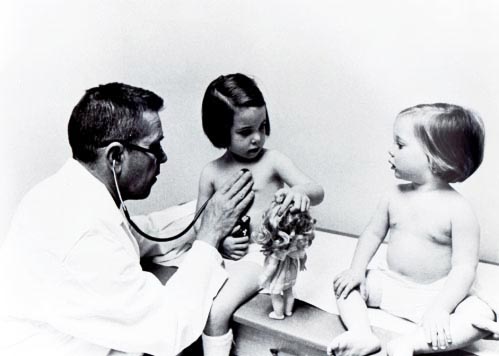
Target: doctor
{"points": [[70, 267]]}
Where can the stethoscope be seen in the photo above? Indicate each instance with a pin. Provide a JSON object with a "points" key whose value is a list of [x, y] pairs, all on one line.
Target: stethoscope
{"points": [[147, 236]]}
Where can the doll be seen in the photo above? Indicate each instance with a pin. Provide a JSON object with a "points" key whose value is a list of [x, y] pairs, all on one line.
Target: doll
{"points": [[284, 240]]}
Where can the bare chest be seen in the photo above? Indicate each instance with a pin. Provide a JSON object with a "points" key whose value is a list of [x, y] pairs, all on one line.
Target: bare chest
{"points": [[420, 219], [265, 184]]}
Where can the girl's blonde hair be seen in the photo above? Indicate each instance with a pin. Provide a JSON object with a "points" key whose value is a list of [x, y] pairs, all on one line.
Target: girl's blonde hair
{"points": [[452, 138]]}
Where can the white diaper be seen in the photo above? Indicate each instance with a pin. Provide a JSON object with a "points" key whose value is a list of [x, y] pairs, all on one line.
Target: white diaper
{"points": [[399, 296]]}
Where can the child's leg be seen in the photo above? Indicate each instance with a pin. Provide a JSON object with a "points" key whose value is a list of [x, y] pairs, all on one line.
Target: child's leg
{"points": [[359, 339], [242, 284], [462, 331], [289, 301]]}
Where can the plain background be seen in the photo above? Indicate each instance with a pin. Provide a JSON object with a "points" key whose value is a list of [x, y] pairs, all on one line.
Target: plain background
{"points": [[334, 74]]}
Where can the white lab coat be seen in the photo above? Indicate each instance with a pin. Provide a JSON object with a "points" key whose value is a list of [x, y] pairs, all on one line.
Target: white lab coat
{"points": [[72, 283]]}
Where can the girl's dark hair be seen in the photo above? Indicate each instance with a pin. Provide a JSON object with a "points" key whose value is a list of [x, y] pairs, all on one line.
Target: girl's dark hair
{"points": [[222, 98], [452, 137]]}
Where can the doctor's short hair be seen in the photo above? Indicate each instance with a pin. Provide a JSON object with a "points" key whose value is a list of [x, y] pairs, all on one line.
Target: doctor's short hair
{"points": [[452, 137], [223, 97], [107, 113]]}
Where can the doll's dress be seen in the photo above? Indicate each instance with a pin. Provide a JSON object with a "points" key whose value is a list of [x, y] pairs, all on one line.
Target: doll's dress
{"points": [[288, 265]]}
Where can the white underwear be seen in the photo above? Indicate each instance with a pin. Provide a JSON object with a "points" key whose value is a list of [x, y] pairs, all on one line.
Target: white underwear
{"points": [[399, 296]]}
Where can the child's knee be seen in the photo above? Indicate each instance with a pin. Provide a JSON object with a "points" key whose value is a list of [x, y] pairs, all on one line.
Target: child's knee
{"points": [[219, 317], [221, 311], [473, 307]]}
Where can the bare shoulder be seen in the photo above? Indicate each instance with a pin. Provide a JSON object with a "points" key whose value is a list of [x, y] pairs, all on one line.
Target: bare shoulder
{"points": [[387, 199], [459, 206], [273, 160], [395, 196], [450, 204], [212, 169], [274, 155], [278, 160]]}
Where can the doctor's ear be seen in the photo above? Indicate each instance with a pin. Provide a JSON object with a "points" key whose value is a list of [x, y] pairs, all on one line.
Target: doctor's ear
{"points": [[114, 155]]}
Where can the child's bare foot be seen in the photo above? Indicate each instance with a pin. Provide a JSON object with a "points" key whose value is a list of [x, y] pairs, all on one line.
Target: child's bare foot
{"points": [[399, 347], [354, 343], [273, 315]]}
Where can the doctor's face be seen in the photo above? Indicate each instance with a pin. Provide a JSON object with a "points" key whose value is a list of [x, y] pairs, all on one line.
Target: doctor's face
{"points": [[144, 157]]}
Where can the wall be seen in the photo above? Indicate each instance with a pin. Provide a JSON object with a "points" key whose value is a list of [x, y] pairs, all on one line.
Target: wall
{"points": [[334, 74]]}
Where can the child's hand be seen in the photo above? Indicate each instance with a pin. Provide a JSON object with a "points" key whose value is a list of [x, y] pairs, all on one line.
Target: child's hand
{"points": [[234, 248], [487, 325], [288, 196], [346, 281], [436, 327]]}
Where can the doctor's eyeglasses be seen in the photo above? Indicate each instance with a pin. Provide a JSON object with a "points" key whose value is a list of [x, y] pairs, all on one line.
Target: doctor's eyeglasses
{"points": [[155, 149]]}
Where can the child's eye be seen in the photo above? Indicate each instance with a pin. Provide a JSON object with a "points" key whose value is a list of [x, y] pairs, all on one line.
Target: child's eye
{"points": [[262, 127], [245, 133]]}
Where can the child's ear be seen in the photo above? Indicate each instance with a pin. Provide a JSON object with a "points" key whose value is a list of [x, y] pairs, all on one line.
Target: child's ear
{"points": [[432, 165]]}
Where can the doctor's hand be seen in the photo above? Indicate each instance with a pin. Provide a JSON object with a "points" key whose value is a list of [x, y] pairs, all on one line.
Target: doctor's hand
{"points": [[234, 247], [291, 197], [225, 207]]}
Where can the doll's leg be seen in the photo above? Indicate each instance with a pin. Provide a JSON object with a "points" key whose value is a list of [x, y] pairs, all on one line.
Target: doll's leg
{"points": [[277, 306], [241, 285], [289, 301], [463, 333]]}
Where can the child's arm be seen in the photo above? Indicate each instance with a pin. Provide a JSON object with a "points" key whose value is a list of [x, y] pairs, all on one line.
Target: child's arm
{"points": [[302, 191], [367, 245], [465, 253]]}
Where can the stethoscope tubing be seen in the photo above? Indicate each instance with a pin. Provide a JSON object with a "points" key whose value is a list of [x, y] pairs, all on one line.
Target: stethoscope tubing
{"points": [[142, 233], [163, 239]]}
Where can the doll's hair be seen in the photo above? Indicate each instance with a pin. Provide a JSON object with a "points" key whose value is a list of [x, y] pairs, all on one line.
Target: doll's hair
{"points": [[279, 233], [223, 97], [452, 138]]}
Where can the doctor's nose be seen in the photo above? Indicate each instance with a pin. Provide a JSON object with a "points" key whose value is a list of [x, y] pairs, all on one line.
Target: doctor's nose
{"points": [[162, 158]]}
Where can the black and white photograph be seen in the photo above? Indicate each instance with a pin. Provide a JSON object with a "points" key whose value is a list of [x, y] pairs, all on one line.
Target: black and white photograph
{"points": [[249, 178]]}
